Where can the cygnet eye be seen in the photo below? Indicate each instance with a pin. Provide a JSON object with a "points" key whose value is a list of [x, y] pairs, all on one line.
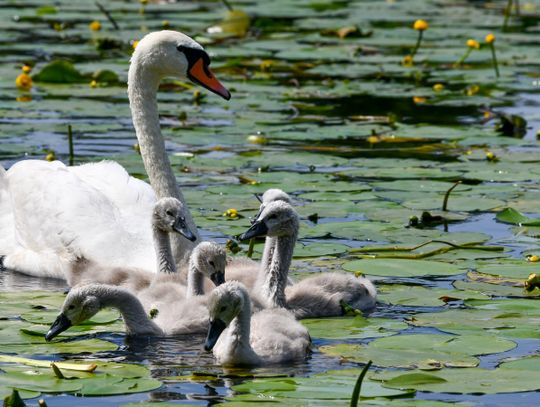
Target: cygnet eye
{"points": [[71, 306], [222, 309], [211, 263], [273, 216], [169, 212]]}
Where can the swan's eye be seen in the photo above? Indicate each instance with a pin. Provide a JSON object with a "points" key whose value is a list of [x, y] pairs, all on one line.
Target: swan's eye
{"points": [[169, 212], [222, 309]]}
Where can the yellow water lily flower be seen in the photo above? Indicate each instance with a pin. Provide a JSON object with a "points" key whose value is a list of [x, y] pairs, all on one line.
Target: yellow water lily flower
{"points": [[438, 87], [26, 68], [95, 26], [407, 61], [473, 44], [231, 213], [490, 38], [23, 82], [134, 43], [419, 99], [93, 84], [420, 25], [533, 258]]}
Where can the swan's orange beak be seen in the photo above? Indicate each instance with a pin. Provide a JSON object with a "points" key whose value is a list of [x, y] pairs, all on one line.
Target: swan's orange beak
{"points": [[200, 73]]}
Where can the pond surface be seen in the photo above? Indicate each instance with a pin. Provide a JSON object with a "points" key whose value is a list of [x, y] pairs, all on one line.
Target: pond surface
{"points": [[323, 107]]}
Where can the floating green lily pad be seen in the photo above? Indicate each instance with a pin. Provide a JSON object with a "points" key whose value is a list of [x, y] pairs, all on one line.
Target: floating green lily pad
{"points": [[352, 327], [424, 351], [463, 381], [402, 268], [422, 296]]}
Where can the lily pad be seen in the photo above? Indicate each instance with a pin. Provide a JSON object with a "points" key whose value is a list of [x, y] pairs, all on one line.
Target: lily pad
{"points": [[332, 385], [402, 268], [352, 327], [463, 381], [424, 351], [421, 296]]}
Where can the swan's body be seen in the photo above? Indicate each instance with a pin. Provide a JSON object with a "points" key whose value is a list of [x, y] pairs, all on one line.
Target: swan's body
{"points": [[238, 338], [56, 214], [177, 311], [312, 297]]}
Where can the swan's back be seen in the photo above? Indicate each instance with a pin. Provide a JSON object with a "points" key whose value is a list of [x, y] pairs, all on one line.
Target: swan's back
{"points": [[61, 214], [321, 296], [276, 336]]}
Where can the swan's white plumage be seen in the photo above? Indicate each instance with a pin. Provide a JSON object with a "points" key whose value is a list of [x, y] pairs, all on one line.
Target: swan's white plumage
{"points": [[96, 204], [267, 337], [71, 214]]}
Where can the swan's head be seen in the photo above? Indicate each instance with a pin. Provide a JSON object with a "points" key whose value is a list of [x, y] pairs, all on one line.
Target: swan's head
{"points": [[81, 304], [276, 219], [170, 216], [170, 53], [271, 195], [210, 259], [224, 304]]}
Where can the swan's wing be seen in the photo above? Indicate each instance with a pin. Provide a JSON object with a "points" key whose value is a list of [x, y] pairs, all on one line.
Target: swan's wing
{"points": [[55, 210], [134, 198], [322, 295]]}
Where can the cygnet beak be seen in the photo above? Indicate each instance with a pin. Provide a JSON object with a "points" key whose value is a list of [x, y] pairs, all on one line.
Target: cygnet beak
{"points": [[60, 324], [181, 227], [258, 228], [218, 278], [217, 326]]}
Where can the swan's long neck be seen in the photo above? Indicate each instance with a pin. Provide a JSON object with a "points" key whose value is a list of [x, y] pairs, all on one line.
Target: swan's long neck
{"points": [[164, 254], [142, 90], [135, 318], [240, 327], [195, 281], [277, 270]]}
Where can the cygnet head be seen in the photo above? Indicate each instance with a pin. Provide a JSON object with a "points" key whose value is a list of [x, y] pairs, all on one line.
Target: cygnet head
{"points": [[210, 259], [169, 216], [170, 53], [224, 304], [277, 219], [81, 304], [271, 195]]}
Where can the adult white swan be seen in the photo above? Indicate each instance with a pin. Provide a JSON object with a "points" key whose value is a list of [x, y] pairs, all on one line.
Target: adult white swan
{"points": [[51, 215]]}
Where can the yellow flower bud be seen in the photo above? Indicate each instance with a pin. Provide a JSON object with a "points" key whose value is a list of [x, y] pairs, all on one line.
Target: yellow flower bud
{"points": [[407, 61], [51, 156], [134, 43], [420, 25], [93, 84], [438, 87], [491, 157], [490, 38], [231, 213], [419, 100], [472, 90], [26, 68], [473, 44], [533, 258], [166, 24], [95, 26], [23, 82]]}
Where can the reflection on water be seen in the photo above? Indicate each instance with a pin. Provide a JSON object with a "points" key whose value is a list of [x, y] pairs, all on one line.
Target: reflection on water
{"points": [[11, 281]]}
